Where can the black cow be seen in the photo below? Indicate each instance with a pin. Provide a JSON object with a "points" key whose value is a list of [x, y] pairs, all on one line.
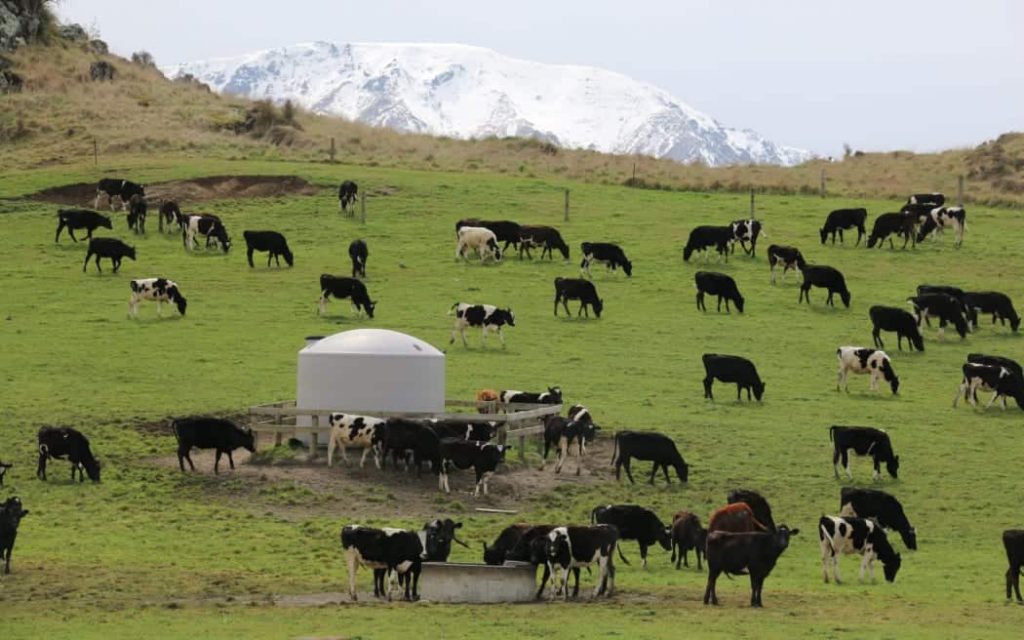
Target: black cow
{"points": [[358, 253], [758, 505], [137, 209], [578, 429], [483, 457], [540, 236], [342, 287], [879, 506], [124, 189], [210, 433], [744, 231], [577, 289], [80, 219], [705, 237], [270, 241], [997, 361], [169, 213], [719, 285], [485, 316], [552, 396], [844, 219], [347, 193], [62, 443], [634, 523], [895, 319], [386, 551], [888, 224], [611, 255], [931, 199], [11, 513], [4, 467], [994, 302], [688, 534], [517, 543], [954, 292], [207, 225], [1000, 380], [737, 553], [1013, 542], [732, 369], [405, 439], [504, 230], [946, 308], [788, 257], [648, 445], [476, 431], [864, 441], [842, 535], [108, 248], [825, 277], [573, 548]]}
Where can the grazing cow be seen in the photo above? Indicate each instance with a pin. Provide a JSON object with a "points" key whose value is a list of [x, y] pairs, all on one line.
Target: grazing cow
{"points": [[719, 285], [169, 213], [736, 517], [478, 239], [888, 224], [62, 443], [578, 429], [486, 316], [137, 209], [207, 225], [342, 287], [932, 199], [108, 248], [1001, 381], [347, 193], [552, 396], [844, 219], [611, 255], [634, 523], [361, 432], [757, 503], [476, 431], [80, 219], [4, 466], [210, 433], [737, 553], [997, 361], [788, 257], [515, 543], [946, 308], [11, 513], [1013, 542], [827, 278], [567, 289], [270, 241], [864, 441], [915, 214], [648, 445], [688, 534], [732, 369], [124, 189], [483, 457], [405, 439], [705, 237], [994, 302], [504, 230], [158, 290], [579, 547], [865, 361], [895, 319], [744, 231], [548, 238], [940, 218], [879, 506], [389, 552], [358, 253], [844, 535]]}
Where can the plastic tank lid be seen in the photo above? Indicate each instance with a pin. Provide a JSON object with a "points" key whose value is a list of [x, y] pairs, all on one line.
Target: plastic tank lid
{"points": [[373, 342]]}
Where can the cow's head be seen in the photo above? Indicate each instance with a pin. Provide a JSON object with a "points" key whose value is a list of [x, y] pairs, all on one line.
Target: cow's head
{"points": [[13, 511], [92, 469], [555, 395], [248, 439], [105, 222], [1015, 323], [130, 253], [493, 555], [439, 537], [682, 470], [559, 548], [892, 465], [598, 307], [739, 302], [758, 388], [909, 538], [563, 248], [846, 297], [370, 306], [892, 567], [664, 537], [824, 234], [510, 317], [627, 266], [495, 250]]}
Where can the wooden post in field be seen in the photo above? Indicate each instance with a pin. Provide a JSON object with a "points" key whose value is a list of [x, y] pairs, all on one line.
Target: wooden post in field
{"points": [[522, 448], [752, 216], [277, 434], [332, 150], [823, 183], [633, 181], [960, 190], [95, 153], [567, 205], [362, 207]]}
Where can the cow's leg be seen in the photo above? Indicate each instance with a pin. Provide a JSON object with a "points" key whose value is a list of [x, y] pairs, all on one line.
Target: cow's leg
{"points": [[231, 460], [664, 470], [876, 333], [846, 462], [501, 336], [878, 473], [708, 381], [579, 455], [543, 580], [563, 450], [826, 558], [462, 332], [654, 470], [323, 303], [629, 471], [362, 460], [700, 300], [216, 462], [710, 597]]}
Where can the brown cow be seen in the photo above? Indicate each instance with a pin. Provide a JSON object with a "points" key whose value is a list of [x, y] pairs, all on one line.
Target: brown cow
{"points": [[687, 534], [485, 399], [736, 518]]}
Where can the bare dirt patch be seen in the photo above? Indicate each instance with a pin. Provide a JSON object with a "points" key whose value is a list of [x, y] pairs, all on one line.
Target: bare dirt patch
{"points": [[187, 192]]}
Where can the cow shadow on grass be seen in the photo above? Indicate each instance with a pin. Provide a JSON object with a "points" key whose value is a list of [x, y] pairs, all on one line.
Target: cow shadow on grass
{"points": [[153, 319]]}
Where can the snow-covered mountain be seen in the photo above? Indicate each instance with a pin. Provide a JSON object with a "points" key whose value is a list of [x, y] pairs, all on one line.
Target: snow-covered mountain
{"points": [[471, 92]]}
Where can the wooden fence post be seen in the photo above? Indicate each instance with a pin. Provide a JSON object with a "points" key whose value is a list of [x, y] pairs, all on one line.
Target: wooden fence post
{"points": [[333, 150], [960, 190], [362, 207], [823, 183], [752, 216], [95, 153], [567, 205], [277, 434]]}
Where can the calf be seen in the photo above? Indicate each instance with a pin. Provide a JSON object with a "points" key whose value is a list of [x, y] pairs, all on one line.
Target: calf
{"points": [[463, 454], [206, 225], [788, 257], [736, 517], [577, 289], [687, 534], [137, 209], [757, 503], [737, 553], [648, 445], [844, 219], [358, 253], [388, 552], [946, 308], [864, 441], [611, 255], [347, 193], [889, 224], [744, 231], [476, 431], [827, 278], [894, 319], [11, 513], [634, 522], [720, 285], [547, 238], [270, 241], [108, 248], [80, 219], [862, 360], [955, 292], [578, 547], [361, 432], [504, 230], [342, 287], [158, 290], [1001, 381], [62, 443], [486, 316], [705, 237], [124, 189], [732, 369], [4, 467], [997, 361], [1013, 542], [879, 506], [577, 429], [169, 213], [994, 302], [841, 535], [940, 218], [210, 433], [933, 199], [413, 439], [515, 544], [478, 239], [552, 396]]}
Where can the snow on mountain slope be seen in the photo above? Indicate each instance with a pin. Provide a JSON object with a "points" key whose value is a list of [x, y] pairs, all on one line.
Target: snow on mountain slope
{"points": [[472, 92]]}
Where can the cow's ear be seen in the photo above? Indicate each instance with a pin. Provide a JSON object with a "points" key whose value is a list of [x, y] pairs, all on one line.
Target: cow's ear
{"points": [[793, 532], [24, 513], [458, 525]]}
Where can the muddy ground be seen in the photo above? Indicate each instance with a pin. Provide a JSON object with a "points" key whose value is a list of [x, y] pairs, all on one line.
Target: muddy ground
{"points": [[186, 192]]}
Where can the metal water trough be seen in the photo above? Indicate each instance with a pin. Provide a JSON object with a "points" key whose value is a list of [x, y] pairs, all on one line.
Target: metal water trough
{"points": [[478, 583]]}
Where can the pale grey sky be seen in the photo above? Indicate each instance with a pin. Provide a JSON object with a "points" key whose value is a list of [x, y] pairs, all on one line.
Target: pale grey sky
{"points": [[880, 75]]}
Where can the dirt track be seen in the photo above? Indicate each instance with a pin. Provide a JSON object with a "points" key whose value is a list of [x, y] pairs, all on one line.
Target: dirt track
{"points": [[187, 192]]}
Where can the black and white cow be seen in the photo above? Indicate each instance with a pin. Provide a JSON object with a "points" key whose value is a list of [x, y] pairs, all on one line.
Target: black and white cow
{"points": [[124, 189], [137, 209], [548, 238], [157, 290], [504, 230], [272, 242], [567, 289], [169, 214], [955, 292], [902, 322], [205, 432], [707, 236], [80, 219], [744, 231], [516, 543], [342, 287], [941, 218], [358, 253], [758, 505], [552, 396], [648, 445], [932, 199], [206, 225], [347, 193], [478, 239], [389, 552], [845, 535], [1013, 542], [62, 443], [361, 432], [483, 457], [11, 513], [108, 248], [844, 219], [575, 432], [946, 308], [611, 255], [634, 523], [754, 553], [879, 506], [486, 316], [732, 369], [830, 278], [786, 257], [482, 431], [997, 361], [863, 360], [574, 548], [889, 224], [687, 533], [864, 441], [993, 302], [719, 285], [1000, 380]]}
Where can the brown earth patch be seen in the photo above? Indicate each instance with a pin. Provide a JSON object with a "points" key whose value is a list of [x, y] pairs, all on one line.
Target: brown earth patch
{"points": [[187, 192]]}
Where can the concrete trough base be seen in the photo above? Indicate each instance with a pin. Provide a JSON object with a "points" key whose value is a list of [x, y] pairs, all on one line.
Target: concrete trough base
{"points": [[478, 583]]}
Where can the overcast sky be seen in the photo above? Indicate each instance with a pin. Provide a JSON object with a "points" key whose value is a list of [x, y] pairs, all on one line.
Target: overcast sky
{"points": [[899, 74]]}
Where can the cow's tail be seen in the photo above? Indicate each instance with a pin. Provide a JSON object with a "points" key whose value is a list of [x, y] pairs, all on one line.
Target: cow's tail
{"points": [[618, 547], [831, 433], [174, 428], [615, 450]]}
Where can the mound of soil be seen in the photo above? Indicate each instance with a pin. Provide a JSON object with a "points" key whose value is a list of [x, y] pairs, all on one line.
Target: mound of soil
{"points": [[187, 192]]}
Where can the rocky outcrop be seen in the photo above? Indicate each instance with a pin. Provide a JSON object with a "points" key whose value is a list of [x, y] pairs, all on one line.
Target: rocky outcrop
{"points": [[20, 23]]}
